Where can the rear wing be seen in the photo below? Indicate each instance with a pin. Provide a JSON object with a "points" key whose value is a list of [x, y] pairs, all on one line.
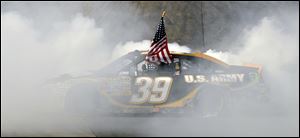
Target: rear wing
{"points": [[259, 67]]}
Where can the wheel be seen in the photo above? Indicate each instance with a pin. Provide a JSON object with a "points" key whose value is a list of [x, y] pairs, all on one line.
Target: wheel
{"points": [[210, 101], [82, 99]]}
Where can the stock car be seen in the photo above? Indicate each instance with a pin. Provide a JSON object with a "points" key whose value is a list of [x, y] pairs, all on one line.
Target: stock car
{"points": [[193, 82]]}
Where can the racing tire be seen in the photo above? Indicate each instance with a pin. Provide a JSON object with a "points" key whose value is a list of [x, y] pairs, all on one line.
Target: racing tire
{"points": [[210, 101], [81, 99]]}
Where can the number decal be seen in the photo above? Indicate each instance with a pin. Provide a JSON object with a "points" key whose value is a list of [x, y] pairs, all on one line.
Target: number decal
{"points": [[143, 92], [160, 90]]}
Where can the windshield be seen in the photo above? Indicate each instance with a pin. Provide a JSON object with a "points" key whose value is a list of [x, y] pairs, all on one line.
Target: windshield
{"points": [[122, 64]]}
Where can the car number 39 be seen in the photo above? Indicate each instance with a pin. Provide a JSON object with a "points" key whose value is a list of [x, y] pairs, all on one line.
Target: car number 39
{"points": [[154, 91]]}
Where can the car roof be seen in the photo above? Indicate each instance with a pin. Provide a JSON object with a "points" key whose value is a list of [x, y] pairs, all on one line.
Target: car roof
{"points": [[197, 55]]}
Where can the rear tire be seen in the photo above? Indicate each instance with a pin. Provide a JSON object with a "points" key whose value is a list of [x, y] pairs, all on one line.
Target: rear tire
{"points": [[82, 99], [210, 101]]}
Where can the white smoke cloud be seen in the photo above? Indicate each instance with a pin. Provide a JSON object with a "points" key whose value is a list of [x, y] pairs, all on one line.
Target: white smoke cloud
{"points": [[36, 48], [31, 55], [274, 47], [70, 46]]}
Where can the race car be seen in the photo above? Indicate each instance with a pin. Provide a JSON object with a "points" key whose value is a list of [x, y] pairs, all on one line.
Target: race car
{"points": [[193, 82]]}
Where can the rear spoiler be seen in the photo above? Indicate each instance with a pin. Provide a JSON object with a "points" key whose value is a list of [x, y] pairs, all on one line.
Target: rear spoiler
{"points": [[259, 67]]}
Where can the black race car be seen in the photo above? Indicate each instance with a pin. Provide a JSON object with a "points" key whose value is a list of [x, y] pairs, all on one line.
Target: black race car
{"points": [[193, 82]]}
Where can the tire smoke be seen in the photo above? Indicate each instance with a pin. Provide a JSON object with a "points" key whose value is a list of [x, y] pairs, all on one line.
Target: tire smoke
{"points": [[41, 42]]}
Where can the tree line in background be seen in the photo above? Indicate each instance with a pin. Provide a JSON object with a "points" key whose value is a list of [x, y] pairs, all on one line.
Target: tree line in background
{"points": [[221, 22], [198, 24]]}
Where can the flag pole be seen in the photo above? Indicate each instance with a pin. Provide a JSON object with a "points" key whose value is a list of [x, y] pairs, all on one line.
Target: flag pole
{"points": [[163, 14]]}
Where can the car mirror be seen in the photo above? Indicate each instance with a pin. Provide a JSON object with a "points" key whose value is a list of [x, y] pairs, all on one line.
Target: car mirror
{"points": [[144, 67]]}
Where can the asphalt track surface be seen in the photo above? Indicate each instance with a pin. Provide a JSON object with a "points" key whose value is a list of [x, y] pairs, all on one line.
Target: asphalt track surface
{"points": [[273, 126], [97, 126]]}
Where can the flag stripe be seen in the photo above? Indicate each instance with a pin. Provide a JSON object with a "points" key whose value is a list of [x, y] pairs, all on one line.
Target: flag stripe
{"points": [[160, 48], [161, 56], [157, 45], [158, 41], [167, 56]]}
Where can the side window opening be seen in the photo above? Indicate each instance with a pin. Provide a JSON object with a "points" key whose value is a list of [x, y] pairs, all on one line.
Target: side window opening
{"points": [[123, 65], [145, 68], [198, 65], [141, 67]]}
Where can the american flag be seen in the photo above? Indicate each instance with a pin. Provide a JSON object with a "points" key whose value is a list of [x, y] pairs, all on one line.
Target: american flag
{"points": [[159, 51]]}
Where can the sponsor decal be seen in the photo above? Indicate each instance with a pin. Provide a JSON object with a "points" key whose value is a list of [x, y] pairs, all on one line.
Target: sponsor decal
{"points": [[214, 78]]}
